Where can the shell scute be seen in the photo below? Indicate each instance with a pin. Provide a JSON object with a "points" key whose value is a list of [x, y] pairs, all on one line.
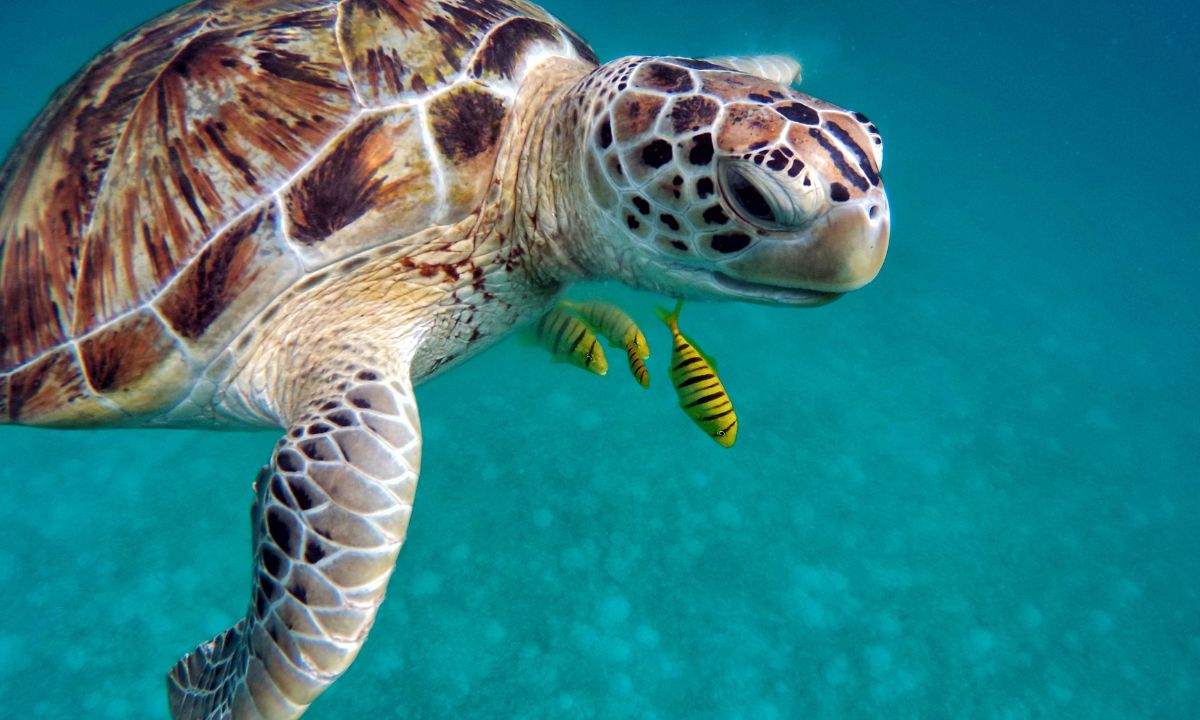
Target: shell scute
{"points": [[465, 123], [375, 181], [230, 118], [401, 50], [52, 390], [234, 277], [501, 51], [49, 185], [135, 362], [186, 177]]}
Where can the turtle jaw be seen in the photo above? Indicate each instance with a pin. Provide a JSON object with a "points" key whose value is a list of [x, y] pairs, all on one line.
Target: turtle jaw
{"points": [[687, 281], [840, 251]]}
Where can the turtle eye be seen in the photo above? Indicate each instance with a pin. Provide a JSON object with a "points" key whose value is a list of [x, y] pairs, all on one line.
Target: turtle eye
{"points": [[759, 198], [747, 197]]}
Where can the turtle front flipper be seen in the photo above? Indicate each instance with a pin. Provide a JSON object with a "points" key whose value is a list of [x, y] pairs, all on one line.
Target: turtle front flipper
{"points": [[331, 513]]}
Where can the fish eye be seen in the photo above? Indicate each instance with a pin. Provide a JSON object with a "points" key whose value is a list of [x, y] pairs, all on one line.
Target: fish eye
{"points": [[749, 199], [721, 433]]}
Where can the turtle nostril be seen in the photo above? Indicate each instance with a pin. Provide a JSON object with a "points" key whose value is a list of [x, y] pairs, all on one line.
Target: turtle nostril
{"points": [[873, 212]]}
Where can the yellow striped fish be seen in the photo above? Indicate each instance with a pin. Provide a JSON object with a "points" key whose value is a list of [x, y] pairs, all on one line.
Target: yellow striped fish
{"points": [[701, 394], [637, 367], [570, 340], [621, 331]]}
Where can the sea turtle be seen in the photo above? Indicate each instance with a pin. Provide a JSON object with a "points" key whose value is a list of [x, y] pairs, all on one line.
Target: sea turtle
{"points": [[287, 213]]}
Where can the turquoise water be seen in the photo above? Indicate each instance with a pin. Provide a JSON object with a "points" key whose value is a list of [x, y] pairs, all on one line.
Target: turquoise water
{"points": [[969, 490]]}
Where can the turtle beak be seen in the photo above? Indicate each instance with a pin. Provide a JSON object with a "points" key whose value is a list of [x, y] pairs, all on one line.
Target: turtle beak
{"points": [[839, 251]]}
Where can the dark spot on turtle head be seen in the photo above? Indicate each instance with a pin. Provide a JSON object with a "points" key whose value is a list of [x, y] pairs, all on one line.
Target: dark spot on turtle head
{"points": [[861, 118], [679, 245], [642, 206], [693, 112], [604, 136], [632, 222], [776, 94], [730, 242], [796, 167], [360, 402], [838, 192], [614, 165], [670, 221], [704, 187], [758, 98], [715, 215], [778, 160], [657, 153], [677, 181], [702, 150], [663, 77], [799, 112]]}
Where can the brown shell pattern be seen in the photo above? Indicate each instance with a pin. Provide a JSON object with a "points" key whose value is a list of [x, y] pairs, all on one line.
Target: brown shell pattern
{"points": [[209, 159]]}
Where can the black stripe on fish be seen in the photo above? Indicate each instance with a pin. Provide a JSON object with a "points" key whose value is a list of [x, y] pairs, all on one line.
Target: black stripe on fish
{"points": [[706, 398], [565, 320], [689, 361], [578, 339], [694, 379]]}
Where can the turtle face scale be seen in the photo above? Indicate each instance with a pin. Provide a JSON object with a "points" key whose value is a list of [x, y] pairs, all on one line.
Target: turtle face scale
{"points": [[726, 184]]}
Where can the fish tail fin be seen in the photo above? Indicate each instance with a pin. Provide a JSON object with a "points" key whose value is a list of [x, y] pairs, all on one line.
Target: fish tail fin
{"points": [[670, 318]]}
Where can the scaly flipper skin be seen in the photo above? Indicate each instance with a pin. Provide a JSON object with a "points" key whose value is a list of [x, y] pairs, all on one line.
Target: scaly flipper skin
{"points": [[330, 517]]}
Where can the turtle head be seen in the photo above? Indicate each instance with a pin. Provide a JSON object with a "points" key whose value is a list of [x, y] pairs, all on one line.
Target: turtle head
{"points": [[725, 184]]}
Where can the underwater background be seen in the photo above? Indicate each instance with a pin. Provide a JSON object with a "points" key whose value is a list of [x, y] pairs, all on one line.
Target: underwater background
{"points": [[968, 490]]}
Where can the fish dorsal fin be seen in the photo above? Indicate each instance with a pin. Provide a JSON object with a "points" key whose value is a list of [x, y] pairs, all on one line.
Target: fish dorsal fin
{"points": [[776, 68], [707, 358]]}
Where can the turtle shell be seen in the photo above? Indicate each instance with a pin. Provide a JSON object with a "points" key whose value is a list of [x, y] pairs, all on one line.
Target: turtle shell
{"points": [[209, 159]]}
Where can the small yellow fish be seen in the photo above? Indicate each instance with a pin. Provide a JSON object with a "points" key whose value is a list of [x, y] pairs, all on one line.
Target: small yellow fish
{"points": [[570, 340], [637, 367], [701, 394], [620, 330]]}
